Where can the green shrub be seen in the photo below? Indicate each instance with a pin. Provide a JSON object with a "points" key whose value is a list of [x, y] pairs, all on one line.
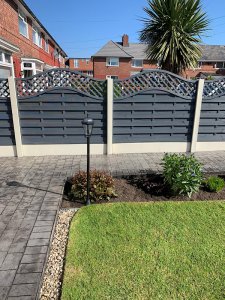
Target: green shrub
{"points": [[101, 186], [214, 184], [182, 173]]}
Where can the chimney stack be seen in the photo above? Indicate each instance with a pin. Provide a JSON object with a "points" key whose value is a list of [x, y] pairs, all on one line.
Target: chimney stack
{"points": [[125, 40]]}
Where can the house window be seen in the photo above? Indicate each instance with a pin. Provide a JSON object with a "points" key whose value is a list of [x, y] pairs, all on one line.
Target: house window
{"points": [[5, 64], [112, 61], [219, 65], [76, 63], [31, 67], [23, 27], [137, 63], [112, 76], [87, 61], [36, 36], [90, 73], [46, 45]]}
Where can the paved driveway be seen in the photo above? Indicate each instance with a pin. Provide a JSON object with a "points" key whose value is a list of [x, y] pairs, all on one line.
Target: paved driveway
{"points": [[30, 195]]}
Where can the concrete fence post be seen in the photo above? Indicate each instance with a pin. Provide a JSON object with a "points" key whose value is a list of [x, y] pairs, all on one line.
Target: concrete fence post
{"points": [[109, 116], [15, 115], [198, 106]]}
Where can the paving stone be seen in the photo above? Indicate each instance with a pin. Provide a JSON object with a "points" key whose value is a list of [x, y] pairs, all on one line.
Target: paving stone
{"points": [[2, 256], [33, 258], [18, 246], [31, 268], [38, 242], [22, 298], [44, 223], [39, 235], [23, 290], [27, 278], [7, 277], [11, 261], [4, 292], [36, 250], [42, 228], [46, 218]]}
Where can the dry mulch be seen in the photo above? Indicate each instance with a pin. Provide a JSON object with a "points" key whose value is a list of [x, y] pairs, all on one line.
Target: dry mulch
{"points": [[146, 188]]}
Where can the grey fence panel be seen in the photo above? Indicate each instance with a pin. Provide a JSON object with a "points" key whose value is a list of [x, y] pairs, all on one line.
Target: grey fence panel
{"points": [[6, 123], [55, 116], [153, 116], [212, 120]]}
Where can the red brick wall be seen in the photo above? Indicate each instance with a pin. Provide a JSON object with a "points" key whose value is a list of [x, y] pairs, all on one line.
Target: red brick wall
{"points": [[9, 30], [83, 66], [123, 71], [204, 68]]}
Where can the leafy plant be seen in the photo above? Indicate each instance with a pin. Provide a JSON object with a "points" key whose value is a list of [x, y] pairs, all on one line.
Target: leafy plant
{"points": [[214, 184], [182, 173], [172, 32], [101, 186]]}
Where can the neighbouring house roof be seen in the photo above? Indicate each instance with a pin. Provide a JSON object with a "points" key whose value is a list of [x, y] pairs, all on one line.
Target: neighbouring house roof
{"points": [[137, 51], [213, 53], [113, 49], [26, 7]]}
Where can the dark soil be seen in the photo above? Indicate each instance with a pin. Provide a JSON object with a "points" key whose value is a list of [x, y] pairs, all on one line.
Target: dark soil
{"points": [[145, 188]]}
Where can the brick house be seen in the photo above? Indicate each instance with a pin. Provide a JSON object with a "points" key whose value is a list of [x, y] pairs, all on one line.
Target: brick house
{"points": [[26, 47], [81, 64], [120, 60]]}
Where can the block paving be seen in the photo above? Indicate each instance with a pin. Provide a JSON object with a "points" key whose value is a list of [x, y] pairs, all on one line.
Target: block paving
{"points": [[30, 194]]}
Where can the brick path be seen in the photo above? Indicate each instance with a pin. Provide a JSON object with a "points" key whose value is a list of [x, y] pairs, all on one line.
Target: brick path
{"points": [[30, 194]]}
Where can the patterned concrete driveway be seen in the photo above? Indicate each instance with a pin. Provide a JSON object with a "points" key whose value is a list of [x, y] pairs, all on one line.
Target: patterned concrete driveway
{"points": [[30, 194]]}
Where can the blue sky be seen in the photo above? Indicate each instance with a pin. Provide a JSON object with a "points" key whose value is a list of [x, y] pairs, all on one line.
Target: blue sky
{"points": [[83, 27]]}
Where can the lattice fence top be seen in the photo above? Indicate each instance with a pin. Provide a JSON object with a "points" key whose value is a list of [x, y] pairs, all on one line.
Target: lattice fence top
{"points": [[60, 78], [4, 88], [214, 88], [154, 80]]}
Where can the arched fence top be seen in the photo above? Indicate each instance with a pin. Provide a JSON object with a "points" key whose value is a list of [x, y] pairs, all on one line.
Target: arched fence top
{"points": [[4, 88], [155, 80], [60, 78], [214, 88]]}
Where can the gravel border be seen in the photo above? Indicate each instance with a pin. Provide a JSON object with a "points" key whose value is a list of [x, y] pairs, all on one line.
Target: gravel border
{"points": [[52, 280]]}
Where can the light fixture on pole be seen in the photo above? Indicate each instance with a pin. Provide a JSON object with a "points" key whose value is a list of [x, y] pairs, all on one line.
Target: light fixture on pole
{"points": [[88, 124]]}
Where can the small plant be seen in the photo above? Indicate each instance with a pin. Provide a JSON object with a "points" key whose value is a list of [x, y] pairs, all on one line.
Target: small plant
{"points": [[214, 184], [101, 186], [182, 173]]}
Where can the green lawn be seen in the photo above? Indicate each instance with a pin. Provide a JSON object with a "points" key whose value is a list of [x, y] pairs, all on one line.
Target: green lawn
{"points": [[167, 250]]}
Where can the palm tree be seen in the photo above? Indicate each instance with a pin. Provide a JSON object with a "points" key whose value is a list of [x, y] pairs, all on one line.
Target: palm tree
{"points": [[172, 31]]}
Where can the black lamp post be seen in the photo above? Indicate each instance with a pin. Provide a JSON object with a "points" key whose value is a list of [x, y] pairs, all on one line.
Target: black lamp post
{"points": [[88, 126]]}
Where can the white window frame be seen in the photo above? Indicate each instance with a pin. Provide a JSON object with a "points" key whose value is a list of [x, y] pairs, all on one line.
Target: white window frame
{"points": [[111, 76], [37, 35], [135, 60], [33, 67], [109, 62], [23, 18], [87, 61], [47, 45], [76, 63], [4, 63]]}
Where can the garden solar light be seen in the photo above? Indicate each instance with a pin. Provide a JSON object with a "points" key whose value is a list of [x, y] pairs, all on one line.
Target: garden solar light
{"points": [[88, 124]]}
